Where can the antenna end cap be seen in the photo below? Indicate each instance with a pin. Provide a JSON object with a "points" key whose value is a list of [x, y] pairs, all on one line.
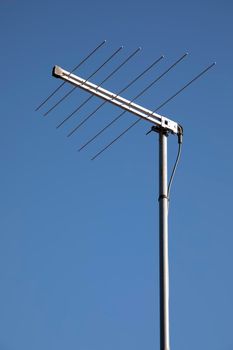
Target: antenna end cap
{"points": [[56, 72]]}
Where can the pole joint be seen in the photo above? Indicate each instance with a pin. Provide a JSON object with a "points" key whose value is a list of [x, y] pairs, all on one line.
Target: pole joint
{"points": [[163, 196]]}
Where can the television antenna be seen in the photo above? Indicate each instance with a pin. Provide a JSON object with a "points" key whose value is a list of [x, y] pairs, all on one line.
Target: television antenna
{"points": [[162, 125]]}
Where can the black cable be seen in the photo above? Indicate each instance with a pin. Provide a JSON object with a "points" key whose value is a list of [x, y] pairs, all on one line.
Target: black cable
{"points": [[180, 137]]}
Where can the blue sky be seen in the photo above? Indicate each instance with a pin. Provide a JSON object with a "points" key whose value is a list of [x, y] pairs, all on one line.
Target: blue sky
{"points": [[79, 239]]}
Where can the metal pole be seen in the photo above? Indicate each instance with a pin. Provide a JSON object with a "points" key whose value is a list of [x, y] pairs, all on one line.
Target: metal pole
{"points": [[163, 243]]}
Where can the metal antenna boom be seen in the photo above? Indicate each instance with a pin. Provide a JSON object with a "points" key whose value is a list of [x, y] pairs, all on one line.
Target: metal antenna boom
{"points": [[117, 100]]}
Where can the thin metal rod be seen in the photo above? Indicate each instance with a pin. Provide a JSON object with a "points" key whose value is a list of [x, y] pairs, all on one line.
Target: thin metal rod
{"points": [[155, 110], [73, 70], [163, 244], [99, 133], [137, 96], [114, 140], [185, 86], [102, 82], [122, 90], [75, 87]]}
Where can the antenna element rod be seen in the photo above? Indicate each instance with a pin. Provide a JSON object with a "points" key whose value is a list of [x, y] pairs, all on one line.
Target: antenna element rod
{"points": [[73, 70], [155, 110], [102, 82], [90, 76], [125, 88], [137, 96]]}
